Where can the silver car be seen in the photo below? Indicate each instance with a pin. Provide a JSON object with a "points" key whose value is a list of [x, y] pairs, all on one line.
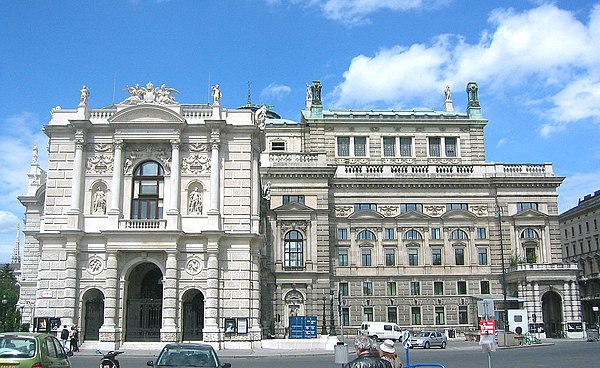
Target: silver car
{"points": [[427, 339]]}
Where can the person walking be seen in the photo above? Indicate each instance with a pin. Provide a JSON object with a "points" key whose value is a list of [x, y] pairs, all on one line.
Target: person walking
{"points": [[64, 336], [364, 347], [74, 338], [388, 352]]}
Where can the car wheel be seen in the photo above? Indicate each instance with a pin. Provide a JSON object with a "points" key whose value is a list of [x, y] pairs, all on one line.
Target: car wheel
{"points": [[375, 338], [443, 344], [426, 346]]}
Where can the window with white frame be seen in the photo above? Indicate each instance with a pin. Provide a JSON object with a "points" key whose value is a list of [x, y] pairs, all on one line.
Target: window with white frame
{"points": [[436, 256], [368, 288], [438, 288], [463, 315], [352, 146], [365, 206], [435, 233], [443, 147], [392, 314], [484, 287], [406, 207], [461, 287], [522, 206], [293, 249], [389, 233], [391, 288], [343, 288], [343, 257], [457, 206], [482, 256], [413, 235], [415, 315], [390, 256], [459, 256], [397, 146], [415, 288], [413, 257], [366, 235], [368, 314], [342, 234], [277, 146], [440, 316], [481, 233], [459, 234], [366, 257]]}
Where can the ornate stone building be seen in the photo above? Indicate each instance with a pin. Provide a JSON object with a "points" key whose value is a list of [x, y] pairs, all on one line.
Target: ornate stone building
{"points": [[158, 221], [581, 246]]}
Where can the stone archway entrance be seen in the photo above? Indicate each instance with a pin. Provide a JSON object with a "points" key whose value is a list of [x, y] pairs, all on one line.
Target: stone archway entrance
{"points": [[552, 312], [144, 304], [93, 304], [193, 315]]}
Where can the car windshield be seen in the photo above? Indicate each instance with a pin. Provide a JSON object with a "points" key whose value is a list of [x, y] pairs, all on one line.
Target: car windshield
{"points": [[187, 357], [17, 347], [423, 334]]}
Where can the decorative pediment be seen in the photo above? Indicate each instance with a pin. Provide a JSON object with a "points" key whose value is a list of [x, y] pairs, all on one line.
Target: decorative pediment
{"points": [[413, 215], [146, 113], [530, 213], [293, 207], [366, 214], [530, 217], [458, 214]]}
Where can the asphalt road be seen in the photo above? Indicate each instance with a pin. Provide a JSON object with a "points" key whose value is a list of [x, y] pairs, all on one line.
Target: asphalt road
{"points": [[564, 353]]}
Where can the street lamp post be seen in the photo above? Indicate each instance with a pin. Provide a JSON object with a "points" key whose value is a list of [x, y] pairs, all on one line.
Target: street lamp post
{"points": [[324, 327], [4, 302], [331, 316], [503, 270]]}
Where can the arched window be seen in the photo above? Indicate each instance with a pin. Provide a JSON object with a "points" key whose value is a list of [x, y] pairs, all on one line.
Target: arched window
{"points": [[413, 235], [148, 191], [459, 234], [529, 233], [293, 249], [366, 235]]}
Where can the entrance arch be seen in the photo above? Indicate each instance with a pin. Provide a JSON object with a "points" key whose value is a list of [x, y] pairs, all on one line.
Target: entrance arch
{"points": [[552, 312], [93, 317], [193, 315], [144, 303]]}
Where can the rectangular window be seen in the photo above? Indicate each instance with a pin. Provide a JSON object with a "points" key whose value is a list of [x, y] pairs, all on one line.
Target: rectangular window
{"points": [[530, 255], [435, 233], [343, 146], [406, 207], [450, 146], [367, 288], [413, 257], [392, 314], [366, 257], [368, 314], [566, 234], [485, 287], [482, 255], [406, 146], [440, 318], [481, 233], [415, 288], [343, 257], [461, 287], [415, 315], [522, 206], [459, 256], [434, 147], [463, 315], [389, 233], [346, 316], [365, 206], [343, 288], [457, 206], [587, 226], [293, 198], [360, 146], [390, 257], [277, 146], [391, 288], [436, 257], [389, 146], [342, 234], [438, 288]]}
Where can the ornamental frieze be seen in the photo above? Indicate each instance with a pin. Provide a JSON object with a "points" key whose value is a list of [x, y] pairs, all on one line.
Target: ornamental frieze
{"points": [[193, 266], [140, 152], [389, 210], [99, 164], [479, 210], [195, 164], [343, 211], [434, 210], [198, 147], [95, 266], [293, 225]]}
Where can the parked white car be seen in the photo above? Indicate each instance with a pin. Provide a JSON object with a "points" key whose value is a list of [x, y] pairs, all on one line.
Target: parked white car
{"points": [[381, 330], [427, 339]]}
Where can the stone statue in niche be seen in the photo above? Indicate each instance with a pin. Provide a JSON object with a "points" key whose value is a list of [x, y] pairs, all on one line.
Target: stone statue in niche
{"points": [[195, 202], [99, 205]]}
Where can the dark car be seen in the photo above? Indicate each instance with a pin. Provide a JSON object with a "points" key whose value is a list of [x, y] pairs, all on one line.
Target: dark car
{"points": [[188, 355], [26, 349]]}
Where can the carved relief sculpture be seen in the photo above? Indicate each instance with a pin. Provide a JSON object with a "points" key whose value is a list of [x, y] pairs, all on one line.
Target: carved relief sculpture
{"points": [[479, 210], [389, 210], [99, 164], [344, 211], [160, 95], [195, 202], [434, 210], [99, 203], [195, 164]]}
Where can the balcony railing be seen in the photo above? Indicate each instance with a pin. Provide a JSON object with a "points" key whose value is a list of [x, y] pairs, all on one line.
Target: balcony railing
{"points": [[143, 224]]}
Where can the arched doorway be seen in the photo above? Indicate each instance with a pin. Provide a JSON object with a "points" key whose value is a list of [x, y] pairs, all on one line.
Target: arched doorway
{"points": [[552, 312], [193, 315], [93, 304], [144, 304], [294, 305]]}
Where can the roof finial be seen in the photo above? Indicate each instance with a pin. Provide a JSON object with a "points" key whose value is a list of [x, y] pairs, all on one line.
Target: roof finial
{"points": [[16, 256], [249, 99]]}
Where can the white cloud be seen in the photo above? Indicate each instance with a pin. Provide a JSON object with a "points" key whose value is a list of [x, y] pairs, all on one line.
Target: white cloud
{"points": [[575, 187], [502, 142], [546, 49], [8, 222], [274, 91]]}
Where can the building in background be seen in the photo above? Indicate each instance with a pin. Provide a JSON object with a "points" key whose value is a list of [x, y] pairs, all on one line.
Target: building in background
{"points": [[158, 221], [579, 233]]}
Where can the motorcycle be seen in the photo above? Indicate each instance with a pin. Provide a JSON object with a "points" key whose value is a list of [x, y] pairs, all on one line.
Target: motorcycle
{"points": [[109, 360]]}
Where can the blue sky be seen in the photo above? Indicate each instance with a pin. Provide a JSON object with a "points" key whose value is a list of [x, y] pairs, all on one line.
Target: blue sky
{"points": [[537, 64]]}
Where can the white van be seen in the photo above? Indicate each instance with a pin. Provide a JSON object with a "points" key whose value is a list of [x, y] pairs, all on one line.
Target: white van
{"points": [[381, 330]]}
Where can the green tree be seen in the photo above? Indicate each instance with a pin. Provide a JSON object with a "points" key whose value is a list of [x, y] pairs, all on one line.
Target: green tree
{"points": [[9, 292]]}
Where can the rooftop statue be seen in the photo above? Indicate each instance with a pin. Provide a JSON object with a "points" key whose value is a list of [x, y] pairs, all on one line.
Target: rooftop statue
{"points": [[261, 117], [149, 94], [448, 94], [472, 93], [216, 94], [85, 93]]}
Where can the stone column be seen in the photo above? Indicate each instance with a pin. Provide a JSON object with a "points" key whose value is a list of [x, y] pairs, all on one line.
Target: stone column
{"points": [[169, 331], [174, 200], [211, 307], [254, 320], [110, 332], [76, 181], [70, 291], [215, 180], [537, 309], [256, 190], [117, 181]]}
